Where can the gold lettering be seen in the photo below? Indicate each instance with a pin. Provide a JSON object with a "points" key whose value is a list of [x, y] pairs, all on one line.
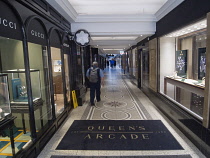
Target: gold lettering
{"points": [[123, 136], [141, 128], [99, 128], [145, 136], [111, 128], [88, 136], [131, 127], [121, 128], [99, 136], [90, 128], [113, 136], [134, 136]]}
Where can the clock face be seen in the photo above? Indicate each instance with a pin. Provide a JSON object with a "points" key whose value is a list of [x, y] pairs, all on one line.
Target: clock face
{"points": [[82, 38]]}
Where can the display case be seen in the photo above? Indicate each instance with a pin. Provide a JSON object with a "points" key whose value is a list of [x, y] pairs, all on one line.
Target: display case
{"points": [[5, 109], [17, 84]]}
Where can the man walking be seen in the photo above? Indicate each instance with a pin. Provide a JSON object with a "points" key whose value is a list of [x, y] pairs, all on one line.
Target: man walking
{"points": [[96, 77]]}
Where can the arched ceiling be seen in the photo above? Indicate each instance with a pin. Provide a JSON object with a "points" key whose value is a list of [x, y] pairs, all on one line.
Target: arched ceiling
{"points": [[114, 25]]}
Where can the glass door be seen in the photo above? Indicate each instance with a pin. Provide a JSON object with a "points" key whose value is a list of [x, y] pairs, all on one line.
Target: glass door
{"points": [[57, 80]]}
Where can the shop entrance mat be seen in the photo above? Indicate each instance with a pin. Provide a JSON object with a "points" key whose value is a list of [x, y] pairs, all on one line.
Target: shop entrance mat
{"points": [[118, 135]]}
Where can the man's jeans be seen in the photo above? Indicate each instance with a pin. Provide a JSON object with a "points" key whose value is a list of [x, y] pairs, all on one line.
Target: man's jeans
{"points": [[95, 88]]}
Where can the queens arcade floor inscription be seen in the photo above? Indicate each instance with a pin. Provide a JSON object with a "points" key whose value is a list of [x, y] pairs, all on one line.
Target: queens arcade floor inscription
{"points": [[118, 135]]}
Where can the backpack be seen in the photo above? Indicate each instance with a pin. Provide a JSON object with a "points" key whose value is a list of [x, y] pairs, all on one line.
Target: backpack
{"points": [[94, 75]]}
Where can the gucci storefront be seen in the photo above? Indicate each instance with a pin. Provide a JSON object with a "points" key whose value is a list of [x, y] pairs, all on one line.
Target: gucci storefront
{"points": [[36, 76]]}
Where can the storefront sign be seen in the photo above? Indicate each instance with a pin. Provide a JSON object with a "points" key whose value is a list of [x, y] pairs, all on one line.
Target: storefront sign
{"points": [[10, 26], [82, 38], [36, 32], [6, 23], [66, 45]]}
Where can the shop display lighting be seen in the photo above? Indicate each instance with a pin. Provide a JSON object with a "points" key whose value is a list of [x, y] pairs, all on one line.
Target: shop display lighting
{"points": [[191, 28]]}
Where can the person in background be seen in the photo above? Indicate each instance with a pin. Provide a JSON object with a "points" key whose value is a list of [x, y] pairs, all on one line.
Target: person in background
{"points": [[96, 78], [112, 63]]}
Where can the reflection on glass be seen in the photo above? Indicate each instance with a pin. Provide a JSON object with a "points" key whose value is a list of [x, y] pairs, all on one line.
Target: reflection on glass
{"points": [[145, 68], [11, 59], [67, 77], [190, 100], [4, 97], [40, 85], [57, 80]]}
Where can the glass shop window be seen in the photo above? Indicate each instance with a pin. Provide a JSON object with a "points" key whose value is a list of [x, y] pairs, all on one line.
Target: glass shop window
{"points": [[13, 95], [183, 67], [145, 66], [67, 77], [57, 80], [40, 85]]}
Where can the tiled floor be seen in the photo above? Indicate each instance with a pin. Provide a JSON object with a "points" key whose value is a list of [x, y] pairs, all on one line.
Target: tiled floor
{"points": [[20, 140], [120, 100]]}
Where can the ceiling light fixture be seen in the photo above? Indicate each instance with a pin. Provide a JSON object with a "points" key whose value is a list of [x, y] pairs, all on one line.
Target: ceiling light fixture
{"points": [[111, 49]]}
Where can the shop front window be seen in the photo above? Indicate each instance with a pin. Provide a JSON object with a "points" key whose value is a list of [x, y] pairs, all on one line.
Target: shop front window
{"points": [[39, 71], [145, 66], [183, 67], [13, 95], [67, 77], [57, 80]]}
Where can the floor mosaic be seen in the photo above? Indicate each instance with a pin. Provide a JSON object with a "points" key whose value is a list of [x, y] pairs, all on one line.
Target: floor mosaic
{"points": [[120, 100]]}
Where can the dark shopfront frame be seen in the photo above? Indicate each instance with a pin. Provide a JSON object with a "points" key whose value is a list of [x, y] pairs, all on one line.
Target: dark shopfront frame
{"points": [[38, 141], [66, 43], [25, 53], [54, 43]]}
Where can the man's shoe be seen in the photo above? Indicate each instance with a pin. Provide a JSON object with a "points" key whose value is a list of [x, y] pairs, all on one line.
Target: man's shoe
{"points": [[99, 100], [92, 104]]}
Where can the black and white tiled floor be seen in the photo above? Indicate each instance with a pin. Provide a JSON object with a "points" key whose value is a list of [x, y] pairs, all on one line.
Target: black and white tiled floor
{"points": [[120, 100]]}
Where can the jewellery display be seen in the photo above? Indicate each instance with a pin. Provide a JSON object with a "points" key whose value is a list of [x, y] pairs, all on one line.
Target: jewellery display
{"points": [[201, 63], [181, 63], [17, 84]]}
